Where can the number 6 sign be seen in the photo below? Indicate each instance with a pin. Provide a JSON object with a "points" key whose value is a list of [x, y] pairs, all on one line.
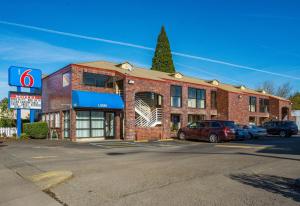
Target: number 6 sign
{"points": [[24, 77]]}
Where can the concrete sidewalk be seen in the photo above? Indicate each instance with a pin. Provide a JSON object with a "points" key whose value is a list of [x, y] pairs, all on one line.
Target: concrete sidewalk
{"points": [[15, 191]]}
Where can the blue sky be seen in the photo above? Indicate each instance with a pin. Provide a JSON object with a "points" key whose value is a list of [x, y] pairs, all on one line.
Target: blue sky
{"points": [[258, 34]]}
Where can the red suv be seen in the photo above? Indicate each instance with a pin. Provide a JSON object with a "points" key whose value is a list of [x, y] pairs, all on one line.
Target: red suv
{"points": [[209, 130]]}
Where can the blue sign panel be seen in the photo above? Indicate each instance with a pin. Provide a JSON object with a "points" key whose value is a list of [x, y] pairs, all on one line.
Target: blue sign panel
{"points": [[84, 99], [24, 77]]}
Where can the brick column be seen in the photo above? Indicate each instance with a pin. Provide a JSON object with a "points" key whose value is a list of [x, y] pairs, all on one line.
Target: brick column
{"points": [[117, 121], [72, 125]]}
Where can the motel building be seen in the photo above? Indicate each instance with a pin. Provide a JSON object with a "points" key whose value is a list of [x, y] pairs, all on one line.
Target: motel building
{"points": [[104, 100]]}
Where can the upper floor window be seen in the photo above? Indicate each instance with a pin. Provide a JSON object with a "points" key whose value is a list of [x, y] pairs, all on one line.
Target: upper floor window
{"points": [[196, 98], [176, 94], [213, 96], [98, 80], [252, 104], [66, 79], [263, 105]]}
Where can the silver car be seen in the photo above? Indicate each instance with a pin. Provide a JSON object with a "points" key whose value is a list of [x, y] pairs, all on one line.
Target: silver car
{"points": [[255, 131]]}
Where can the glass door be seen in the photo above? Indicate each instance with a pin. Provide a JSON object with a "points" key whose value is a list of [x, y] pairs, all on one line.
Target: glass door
{"points": [[109, 124]]}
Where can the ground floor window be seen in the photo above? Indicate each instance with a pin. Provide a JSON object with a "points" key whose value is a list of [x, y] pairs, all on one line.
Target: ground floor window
{"points": [[175, 122], [66, 124], [94, 124], [195, 118], [252, 120]]}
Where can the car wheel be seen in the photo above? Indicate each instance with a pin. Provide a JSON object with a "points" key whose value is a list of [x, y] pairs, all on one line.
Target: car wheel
{"points": [[282, 133], [181, 136], [213, 138]]}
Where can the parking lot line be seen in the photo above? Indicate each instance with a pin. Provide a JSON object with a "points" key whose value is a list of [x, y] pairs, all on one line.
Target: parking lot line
{"points": [[43, 157], [244, 146]]}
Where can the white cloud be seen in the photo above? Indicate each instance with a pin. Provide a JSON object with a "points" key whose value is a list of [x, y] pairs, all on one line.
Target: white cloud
{"points": [[38, 52]]}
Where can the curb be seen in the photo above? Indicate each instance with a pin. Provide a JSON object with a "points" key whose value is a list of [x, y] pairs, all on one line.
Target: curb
{"points": [[141, 141], [166, 140]]}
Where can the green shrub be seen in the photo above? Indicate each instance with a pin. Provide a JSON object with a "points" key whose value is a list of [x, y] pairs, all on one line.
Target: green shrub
{"points": [[24, 136], [36, 130]]}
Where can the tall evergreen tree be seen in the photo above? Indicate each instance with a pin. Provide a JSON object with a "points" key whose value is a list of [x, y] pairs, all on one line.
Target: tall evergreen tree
{"points": [[162, 60]]}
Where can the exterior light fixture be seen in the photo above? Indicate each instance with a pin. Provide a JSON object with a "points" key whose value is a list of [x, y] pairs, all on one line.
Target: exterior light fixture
{"points": [[130, 82]]}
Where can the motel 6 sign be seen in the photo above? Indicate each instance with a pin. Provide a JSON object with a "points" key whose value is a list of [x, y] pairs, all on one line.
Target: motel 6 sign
{"points": [[24, 77]]}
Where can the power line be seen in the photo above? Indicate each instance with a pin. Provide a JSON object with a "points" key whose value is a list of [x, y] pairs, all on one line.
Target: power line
{"points": [[147, 48]]}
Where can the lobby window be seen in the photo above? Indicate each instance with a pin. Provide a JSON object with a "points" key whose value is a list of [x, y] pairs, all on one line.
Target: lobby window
{"points": [[97, 124], [66, 124], [98, 80], [263, 105], [252, 104], [176, 93], [82, 124], [196, 98], [213, 96], [57, 120], [89, 124]]}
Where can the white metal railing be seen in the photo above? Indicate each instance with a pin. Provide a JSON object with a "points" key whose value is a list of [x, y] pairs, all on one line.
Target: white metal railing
{"points": [[148, 114], [8, 131], [142, 108]]}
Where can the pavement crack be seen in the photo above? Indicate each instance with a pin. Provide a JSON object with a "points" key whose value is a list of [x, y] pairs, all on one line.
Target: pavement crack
{"points": [[53, 195]]}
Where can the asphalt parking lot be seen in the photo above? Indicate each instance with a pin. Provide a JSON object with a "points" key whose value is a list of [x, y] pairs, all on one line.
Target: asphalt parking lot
{"points": [[252, 172]]}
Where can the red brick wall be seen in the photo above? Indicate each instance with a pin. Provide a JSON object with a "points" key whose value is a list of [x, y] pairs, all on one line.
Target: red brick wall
{"points": [[54, 94], [152, 133]]}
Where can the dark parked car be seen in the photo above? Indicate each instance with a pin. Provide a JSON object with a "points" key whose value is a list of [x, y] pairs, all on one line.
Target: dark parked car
{"points": [[209, 130], [281, 128]]}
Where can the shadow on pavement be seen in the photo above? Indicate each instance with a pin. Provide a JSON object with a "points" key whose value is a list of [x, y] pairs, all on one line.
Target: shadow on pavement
{"points": [[275, 184], [279, 145]]}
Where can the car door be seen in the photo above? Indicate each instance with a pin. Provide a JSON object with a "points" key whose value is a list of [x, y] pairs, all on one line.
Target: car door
{"points": [[191, 131], [268, 127], [272, 128], [205, 131]]}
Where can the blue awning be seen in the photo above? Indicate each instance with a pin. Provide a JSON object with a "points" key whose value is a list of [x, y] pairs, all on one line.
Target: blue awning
{"points": [[84, 99]]}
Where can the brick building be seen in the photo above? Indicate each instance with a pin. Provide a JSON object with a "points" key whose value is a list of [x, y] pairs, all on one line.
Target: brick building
{"points": [[103, 100]]}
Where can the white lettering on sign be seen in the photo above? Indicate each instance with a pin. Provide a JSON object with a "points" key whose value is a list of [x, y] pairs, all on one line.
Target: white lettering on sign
{"points": [[102, 105], [25, 101]]}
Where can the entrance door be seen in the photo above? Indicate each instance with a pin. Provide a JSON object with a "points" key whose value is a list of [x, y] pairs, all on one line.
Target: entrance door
{"points": [[109, 125]]}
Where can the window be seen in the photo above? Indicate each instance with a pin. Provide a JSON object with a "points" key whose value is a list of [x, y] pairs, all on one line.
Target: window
{"points": [[195, 118], [215, 124], [43, 118], [213, 95], [97, 124], [252, 104], [175, 122], [57, 120], [98, 80], [52, 120], [196, 98], [263, 105], [82, 124], [90, 124], [66, 124], [176, 96], [47, 117], [66, 79]]}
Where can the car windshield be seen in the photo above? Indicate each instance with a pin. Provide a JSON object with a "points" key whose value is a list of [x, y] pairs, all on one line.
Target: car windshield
{"points": [[229, 124], [289, 123]]}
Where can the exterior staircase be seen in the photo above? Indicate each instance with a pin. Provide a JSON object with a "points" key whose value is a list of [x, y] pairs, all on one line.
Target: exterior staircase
{"points": [[147, 115]]}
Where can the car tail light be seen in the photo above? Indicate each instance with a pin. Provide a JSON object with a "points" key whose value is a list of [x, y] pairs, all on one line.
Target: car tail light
{"points": [[226, 130]]}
